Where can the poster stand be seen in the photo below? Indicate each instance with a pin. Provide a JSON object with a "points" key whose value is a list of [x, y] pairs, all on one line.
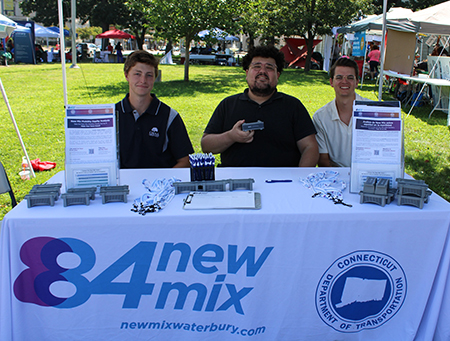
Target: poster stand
{"points": [[377, 143], [91, 146]]}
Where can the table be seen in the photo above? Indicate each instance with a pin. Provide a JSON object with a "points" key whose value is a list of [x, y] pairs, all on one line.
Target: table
{"points": [[301, 268], [220, 58], [105, 57], [442, 90]]}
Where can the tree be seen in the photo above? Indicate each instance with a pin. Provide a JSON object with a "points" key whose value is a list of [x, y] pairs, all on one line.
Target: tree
{"points": [[85, 33], [174, 19], [107, 12], [311, 18], [46, 11], [249, 19], [412, 4], [138, 21], [101, 13]]}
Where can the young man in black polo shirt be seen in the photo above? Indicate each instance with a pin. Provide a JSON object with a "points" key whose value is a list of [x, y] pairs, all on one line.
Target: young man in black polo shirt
{"points": [[151, 134], [288, 138]]}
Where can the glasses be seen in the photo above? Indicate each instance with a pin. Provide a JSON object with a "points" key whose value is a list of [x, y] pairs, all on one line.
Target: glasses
{"points": [[268, 66], [341, 78]]}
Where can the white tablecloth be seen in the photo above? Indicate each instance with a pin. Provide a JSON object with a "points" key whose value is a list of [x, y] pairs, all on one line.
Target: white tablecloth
{"points": [[301, 268]]}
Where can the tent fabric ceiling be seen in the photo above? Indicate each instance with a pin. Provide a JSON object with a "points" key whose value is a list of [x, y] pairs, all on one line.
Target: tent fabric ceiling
{"points": [[432, 20], [7, 26], [376, 22], [42, 32]]}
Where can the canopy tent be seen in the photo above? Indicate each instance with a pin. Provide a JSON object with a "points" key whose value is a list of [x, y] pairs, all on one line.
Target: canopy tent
{"points": [[393, 21], [295, 52], [433, 20], [43, 32], [7, 26], [218, 34], [21, 28], [56, 29], [115, 34]]}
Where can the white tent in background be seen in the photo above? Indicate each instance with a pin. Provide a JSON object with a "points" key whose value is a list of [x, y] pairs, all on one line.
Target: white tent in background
{"points": [[435, 19], [6, 26], [375, 22], [43, 32]]}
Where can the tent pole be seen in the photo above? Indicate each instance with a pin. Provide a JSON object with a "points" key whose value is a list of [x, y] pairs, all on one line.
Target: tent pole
{"points": [[16, 128], [74, 35], [63, 50], [424, 84], [364, 61], [383, 46]]}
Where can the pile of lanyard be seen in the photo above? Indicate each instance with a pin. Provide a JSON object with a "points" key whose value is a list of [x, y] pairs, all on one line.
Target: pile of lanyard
{"points": [[326, 185], [160, 193]]}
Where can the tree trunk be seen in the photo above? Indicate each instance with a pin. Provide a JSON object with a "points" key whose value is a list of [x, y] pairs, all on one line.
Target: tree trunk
{"points": [[186, 58], [251, 42], [105, 27], [310, 46]]}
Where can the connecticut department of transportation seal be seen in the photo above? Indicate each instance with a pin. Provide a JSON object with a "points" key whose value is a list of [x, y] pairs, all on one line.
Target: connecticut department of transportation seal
{"points": [[361, 290]]}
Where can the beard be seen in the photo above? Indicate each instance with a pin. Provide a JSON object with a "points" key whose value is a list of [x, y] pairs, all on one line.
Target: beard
{"points": [[262, 89]]}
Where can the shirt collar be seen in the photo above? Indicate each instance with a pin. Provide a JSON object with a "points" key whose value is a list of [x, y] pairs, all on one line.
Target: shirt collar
{"points": [[334, 113], [151, 110], [276, 95]]}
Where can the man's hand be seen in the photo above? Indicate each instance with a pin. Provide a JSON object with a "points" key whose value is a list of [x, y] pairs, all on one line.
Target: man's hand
{"points": [[240, 136], [218, 143]]}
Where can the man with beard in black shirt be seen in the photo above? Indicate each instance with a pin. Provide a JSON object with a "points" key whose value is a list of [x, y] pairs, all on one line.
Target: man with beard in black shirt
{"points": [[288, 138]]}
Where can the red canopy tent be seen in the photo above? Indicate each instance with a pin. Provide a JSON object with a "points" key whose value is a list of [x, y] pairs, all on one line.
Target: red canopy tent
{"points": [[115, 34], [295, 51]]}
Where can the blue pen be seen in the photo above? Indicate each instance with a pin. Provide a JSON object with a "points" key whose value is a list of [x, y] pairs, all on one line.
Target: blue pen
{"points": [[274, 181]]}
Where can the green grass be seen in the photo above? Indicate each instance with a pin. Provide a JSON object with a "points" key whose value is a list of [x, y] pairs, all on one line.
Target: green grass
{"points": [[35, 93]]}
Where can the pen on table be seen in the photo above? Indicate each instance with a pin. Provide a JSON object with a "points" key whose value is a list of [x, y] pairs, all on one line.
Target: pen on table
{"points": [[273, 181]]}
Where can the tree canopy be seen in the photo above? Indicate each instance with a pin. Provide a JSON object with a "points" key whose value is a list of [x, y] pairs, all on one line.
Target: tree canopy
{"points": [[311, 18], [174, 19], [85, 33], [412, 4]]}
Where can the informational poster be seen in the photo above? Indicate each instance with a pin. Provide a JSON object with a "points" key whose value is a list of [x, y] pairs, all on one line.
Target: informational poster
{"points": [[377, 143], [359, 44], [24, 50], [91, 146]]}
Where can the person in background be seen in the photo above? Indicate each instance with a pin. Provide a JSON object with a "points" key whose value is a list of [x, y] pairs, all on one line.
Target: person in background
{"points": [[336, 53], [439, 51], [333, 121], [287, 139], [109, 48], [119, 49], [374, 60], [151, 134], [10, 45]]}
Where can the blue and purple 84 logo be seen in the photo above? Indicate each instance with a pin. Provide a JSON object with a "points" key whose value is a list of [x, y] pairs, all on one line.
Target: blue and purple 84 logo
{"points": [[40, 254]]}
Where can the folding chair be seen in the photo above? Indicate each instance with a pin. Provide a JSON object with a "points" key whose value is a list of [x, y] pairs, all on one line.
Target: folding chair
{"points": [[5, 186]]}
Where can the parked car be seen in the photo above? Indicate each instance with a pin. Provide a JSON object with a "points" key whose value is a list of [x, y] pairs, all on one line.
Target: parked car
{"points": [[88, 48]]}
